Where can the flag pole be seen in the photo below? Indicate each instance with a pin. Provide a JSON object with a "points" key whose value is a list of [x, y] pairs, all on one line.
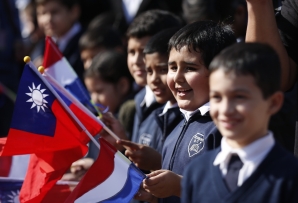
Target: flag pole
{"points": [[62, 89], [27, 60]]}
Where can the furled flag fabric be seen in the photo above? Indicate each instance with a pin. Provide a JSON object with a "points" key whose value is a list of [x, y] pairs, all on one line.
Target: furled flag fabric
{"points": [[58, 67], [43, 173], [40, 122], [89, 120], [112, 178]]}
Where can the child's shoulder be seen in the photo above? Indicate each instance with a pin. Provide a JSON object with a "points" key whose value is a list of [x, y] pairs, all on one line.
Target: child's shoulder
{"points": [[282, 160]]}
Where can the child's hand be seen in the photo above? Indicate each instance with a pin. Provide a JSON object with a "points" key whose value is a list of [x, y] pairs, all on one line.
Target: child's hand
{"points": [[163, 183], [143, 156], [143, 195], [111, 122], [78, 169]]}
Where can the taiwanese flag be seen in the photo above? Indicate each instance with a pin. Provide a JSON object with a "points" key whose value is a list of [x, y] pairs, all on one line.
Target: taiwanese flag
{"points": [[41, 122], [112, 178], [58, 67], [89, 120]]}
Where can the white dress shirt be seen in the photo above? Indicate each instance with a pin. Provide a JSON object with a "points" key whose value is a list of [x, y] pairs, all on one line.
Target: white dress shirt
{"points": [[203, 109], [149, 97], [167, 107], [130, 9], [251, 156]]}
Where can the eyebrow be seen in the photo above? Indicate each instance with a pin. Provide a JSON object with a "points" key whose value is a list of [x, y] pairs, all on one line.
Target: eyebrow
{"points": [[162, 64], [234, 90], [185, 62]]}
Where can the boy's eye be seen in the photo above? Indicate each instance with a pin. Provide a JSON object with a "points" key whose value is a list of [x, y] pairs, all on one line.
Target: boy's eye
{"points": [[164, 70], [215, 97], [188, 69], [240, 96], [173, 68], [130, 51], [149, 71]]}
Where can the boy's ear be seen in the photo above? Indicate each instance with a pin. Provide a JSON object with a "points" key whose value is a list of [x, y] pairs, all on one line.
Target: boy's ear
{"points": [[123, 86], [276, 101]]}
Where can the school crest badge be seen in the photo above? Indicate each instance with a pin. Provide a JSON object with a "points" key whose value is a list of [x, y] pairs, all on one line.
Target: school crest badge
{"points": [[145, 139], [196, 144]]}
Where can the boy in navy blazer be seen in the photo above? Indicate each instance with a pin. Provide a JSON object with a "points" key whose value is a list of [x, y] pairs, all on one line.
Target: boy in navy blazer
{"points": [[249, 166]]}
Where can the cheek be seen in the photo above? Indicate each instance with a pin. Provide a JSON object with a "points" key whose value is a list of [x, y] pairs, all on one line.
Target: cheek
{"points": [[164, 79], [213, 110], [170, 81]]}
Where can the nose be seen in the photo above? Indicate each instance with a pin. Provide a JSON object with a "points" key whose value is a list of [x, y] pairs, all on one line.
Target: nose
{"points": [[179, 76], [138, 58], [87, 63], [227, 107], [154, 78], [94, 97]]}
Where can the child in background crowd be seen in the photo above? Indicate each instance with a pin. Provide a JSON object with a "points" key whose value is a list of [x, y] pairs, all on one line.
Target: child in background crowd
{"points": [[97, 40], [109, 84], [191, 50], [139, 32], [147, 153], [59, 19], [249, 166]]}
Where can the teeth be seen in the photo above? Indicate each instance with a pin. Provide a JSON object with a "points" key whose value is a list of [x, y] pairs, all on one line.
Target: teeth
{"points": [[183, 90]]}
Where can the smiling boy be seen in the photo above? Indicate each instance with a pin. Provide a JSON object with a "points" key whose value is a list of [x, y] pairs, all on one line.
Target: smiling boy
{"points": [[191, 50], [249, 166]]}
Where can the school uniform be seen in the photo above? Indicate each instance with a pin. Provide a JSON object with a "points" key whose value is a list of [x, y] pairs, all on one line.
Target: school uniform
{"points": [[269, 174], [193, 136], [167, 118], [144, 119]]}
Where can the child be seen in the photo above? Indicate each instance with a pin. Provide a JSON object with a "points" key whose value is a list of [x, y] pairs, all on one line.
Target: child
{"points": [[162, 120], [139, 32], [108, 80], [241, 105], [59, 19], [191, 50], [96, 40]]}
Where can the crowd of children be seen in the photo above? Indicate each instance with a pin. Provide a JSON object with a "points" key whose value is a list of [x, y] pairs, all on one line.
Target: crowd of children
{"points": [[191, 102]]}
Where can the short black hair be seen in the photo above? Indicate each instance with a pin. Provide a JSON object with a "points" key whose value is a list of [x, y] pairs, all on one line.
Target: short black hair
{"points": [[205, 37], [151, 22], [106, 37], [255, 59], [110, 66], [216, 10], [159, 42], [67, 3]]}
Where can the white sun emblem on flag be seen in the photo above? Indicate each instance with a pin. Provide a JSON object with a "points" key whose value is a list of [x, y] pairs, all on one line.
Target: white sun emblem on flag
{"points": [[14, 197], [37, 97]]}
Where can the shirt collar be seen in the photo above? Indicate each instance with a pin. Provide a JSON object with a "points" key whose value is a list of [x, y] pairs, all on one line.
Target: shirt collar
{"points": [[149, 97], [252, 153], [63, 41], [167, 107], [203, 109]]}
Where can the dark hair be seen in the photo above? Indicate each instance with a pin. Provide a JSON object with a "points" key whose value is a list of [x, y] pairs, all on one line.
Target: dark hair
{"points": [[255, 59], [106, 37], [216, 10], [109, 66], [67, 3], [205, 37], [151, 22], [159, 42]]}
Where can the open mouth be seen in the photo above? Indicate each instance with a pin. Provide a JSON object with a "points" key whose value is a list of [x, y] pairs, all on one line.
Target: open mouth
{"points": [[182, 92]]}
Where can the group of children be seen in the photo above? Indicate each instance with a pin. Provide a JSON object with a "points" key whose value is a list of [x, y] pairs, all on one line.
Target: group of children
{"points": [[191, 107]]}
